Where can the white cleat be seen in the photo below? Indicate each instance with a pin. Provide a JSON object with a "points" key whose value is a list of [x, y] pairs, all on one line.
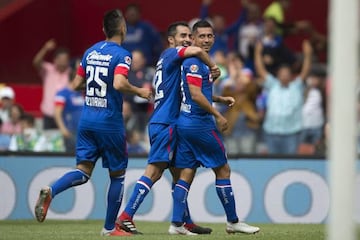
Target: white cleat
{"points": [[241, 227], [173, 230]]}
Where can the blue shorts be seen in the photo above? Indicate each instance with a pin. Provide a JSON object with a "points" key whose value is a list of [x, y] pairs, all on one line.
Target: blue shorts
{"points": [[163, 141], [111, 147], [199, 148]]}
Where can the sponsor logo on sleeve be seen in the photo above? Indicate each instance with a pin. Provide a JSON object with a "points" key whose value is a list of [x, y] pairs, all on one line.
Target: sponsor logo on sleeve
{"points": [[127, 60]]}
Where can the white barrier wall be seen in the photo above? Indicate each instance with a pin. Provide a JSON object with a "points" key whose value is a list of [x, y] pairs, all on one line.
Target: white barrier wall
{"points": [[269, 190]]}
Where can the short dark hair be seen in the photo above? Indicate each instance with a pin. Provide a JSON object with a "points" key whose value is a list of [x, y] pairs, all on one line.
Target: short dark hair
{"points": [[61, 50], [133, 6], [28, 118], [201, 24], [171, 31], [111, 22]]}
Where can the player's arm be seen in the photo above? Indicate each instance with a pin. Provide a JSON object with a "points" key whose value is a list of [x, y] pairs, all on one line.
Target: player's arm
{"points": [[39, 57], [259, 64], [198, 97], [193, 51], [307, 51], [78, 82], [227, 100], [59, 109], [122, 84]]}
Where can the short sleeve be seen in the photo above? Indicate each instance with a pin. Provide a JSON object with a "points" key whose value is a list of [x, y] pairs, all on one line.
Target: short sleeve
{"points": [[60, 99], [123, 65], [270, 81]]}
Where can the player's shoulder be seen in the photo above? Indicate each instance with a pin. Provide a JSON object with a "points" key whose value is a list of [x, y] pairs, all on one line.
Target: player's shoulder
{"points": [[63, 92], [193, 64]]}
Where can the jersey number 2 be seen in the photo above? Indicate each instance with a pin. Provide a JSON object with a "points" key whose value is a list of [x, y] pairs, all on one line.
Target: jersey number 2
{"points": [[94, 75], [156, 84]]}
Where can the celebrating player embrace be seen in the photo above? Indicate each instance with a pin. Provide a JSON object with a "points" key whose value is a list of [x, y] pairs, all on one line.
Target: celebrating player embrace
{"points": [[199, 141], [105, 67], [162, 129]]}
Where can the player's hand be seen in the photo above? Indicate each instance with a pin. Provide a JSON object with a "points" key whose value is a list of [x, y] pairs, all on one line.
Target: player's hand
{"points": [[50, 45], [230, 101], [215, 72], [222, 123], [145, 93]]}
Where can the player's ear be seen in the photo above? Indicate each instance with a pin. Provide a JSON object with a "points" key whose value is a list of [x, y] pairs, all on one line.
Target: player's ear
{"points": [[171, 40]]}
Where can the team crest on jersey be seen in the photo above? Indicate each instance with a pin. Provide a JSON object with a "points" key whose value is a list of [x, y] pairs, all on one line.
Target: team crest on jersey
{"points": [[194, 68], [127, 60]]}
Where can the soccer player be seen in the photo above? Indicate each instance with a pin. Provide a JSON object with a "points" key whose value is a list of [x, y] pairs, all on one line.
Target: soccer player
{"points": [[199, 140], [162, 123], [101, 132]]}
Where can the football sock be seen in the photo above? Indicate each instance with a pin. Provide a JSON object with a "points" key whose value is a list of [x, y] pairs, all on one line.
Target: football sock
{"points": [[226, 196], [114, 198], [179, 201], [141, 189], [70, 179], [187, 219]]}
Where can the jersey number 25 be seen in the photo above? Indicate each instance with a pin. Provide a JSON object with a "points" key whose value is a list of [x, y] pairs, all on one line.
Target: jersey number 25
{"points": [[94, 75]]}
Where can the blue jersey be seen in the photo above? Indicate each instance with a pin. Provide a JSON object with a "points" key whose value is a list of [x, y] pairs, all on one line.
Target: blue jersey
{"points": [[72, 102], [103, 103], [195, 72], [167, 86]]}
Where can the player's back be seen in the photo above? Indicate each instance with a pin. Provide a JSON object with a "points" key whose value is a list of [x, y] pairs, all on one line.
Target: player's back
{"points": [[103, 103], [167, 86], [195, 72]]}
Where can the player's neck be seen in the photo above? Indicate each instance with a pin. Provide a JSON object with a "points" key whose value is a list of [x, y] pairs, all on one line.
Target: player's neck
{"points": [[115, 39]]}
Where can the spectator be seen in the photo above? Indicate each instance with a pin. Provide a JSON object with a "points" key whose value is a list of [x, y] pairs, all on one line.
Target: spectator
{"points": [[13, 125], [55, 76], [134, 145], [7, 96], [243, 119], [68, 107], [222, 33], [141, 35], [249, 33], [313, 111], [275, 52], [139, 76], [283, 121], [4, 139], [29, 139]]}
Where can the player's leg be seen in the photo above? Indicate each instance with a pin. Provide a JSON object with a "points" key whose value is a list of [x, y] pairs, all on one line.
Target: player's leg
{"points": [[189, 224], [161, 140], [114, 157], [180, 195], [226, 196], [215, 158], [87, 150]]}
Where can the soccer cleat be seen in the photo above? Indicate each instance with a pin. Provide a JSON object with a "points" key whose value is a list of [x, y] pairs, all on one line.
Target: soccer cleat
{"points": [[241, 227], [42, 204], [126, 225], [114, 233], [174, 230], [197, 229]]}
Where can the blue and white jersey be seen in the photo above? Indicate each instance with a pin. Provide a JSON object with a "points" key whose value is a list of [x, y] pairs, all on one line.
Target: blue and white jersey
{"points": [[195, 72], [103, 103], [167, 86]]}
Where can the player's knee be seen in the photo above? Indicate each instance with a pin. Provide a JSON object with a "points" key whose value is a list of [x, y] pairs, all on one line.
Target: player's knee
{"points": [[223, 172], [154, 171]]}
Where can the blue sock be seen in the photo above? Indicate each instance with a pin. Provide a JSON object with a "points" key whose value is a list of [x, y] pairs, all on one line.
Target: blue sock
{"points": [[187, 219], [226, 196], [141, 189], [70, 179], [179, 201], [114, 199]]}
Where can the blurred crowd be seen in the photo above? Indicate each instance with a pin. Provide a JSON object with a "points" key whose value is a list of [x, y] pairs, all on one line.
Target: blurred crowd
{"points": [[280, 94]]}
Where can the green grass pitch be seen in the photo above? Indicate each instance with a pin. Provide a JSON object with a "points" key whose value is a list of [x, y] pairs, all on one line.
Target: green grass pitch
{"points": [[90, 229]]}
